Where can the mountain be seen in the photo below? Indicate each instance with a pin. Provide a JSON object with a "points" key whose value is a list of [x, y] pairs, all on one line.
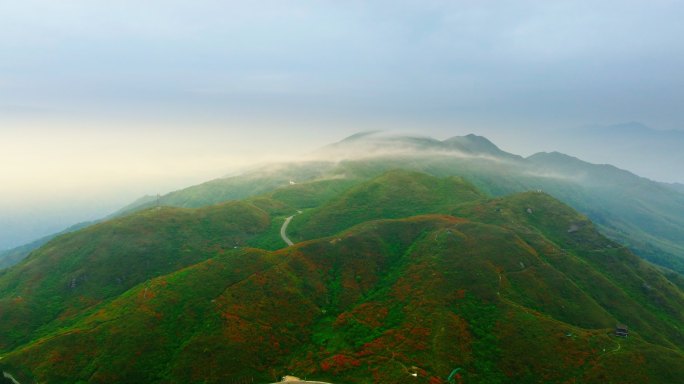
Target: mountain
{"points": [[77, 270], [13, 256], [633, 210], [648, 152], [676, 186], [394, 194], [377, 144], [518, 288], [97, 263], [647, 216], [257, 181], [628, 208]]}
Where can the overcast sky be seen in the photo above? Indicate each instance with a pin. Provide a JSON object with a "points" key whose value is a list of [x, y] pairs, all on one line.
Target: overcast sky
{"points": [[103, 101]]}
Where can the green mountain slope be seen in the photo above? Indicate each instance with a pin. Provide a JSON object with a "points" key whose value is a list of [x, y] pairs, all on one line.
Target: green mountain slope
{"points": [[13, 256], [516, 289], [645, 215], [78, 270], [642, 214], [255, 182], [394, 194], [594, 263]]}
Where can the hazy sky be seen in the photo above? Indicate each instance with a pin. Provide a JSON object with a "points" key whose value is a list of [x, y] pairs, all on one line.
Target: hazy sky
{"points": [[103, 101]]}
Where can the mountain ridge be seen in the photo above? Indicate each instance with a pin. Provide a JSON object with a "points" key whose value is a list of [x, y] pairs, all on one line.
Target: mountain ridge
{"points": [[376, 301], [635, 146], [619, 201]]}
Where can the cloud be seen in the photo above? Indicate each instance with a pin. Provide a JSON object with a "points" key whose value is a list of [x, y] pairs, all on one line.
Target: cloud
{"points": [[286, 76], [421, 63]]}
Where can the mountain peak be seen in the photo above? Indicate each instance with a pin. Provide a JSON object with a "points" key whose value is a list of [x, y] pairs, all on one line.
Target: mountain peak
{"points": [[378, 143], [360, 135], [473, 140], [474, 144]]}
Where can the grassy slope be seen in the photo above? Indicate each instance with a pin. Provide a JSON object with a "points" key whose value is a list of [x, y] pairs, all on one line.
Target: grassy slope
{"points": [[647, 216], [618, 280], [394, 194], [642, 214], [13, 256], [78, 270], [361, 309], [497, 296], [255, 182], [637, 212]]}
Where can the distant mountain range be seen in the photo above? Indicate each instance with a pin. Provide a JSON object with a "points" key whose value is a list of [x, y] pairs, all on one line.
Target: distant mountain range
{"points": [[677, 186], [397, 276], [645, 151]]}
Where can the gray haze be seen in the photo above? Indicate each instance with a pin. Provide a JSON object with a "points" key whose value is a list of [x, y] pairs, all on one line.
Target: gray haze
{"points": [[104, 101], [505, 63]]}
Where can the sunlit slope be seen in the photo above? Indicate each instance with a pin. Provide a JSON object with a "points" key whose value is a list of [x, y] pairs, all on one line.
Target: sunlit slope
{"points": [[394, 194], [619, 281], [260, 180], [278, 196], [13, 256], [645, 215], [642, 214], [76, 271], [522, 289]]}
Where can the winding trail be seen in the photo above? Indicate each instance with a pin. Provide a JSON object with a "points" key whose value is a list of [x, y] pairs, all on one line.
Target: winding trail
{"points": [[283, 230], [302, 382], [619, 346], [296, 380], [9, 376]]}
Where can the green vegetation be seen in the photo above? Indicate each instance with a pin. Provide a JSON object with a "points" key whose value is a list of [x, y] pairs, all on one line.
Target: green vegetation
{"points": [[255, 182], [394, 194], [76, 271], [403, 274], [646, 216]]}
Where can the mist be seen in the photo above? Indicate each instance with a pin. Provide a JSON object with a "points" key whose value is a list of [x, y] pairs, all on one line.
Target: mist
{"points": [[101, 103], [56, 175]]}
